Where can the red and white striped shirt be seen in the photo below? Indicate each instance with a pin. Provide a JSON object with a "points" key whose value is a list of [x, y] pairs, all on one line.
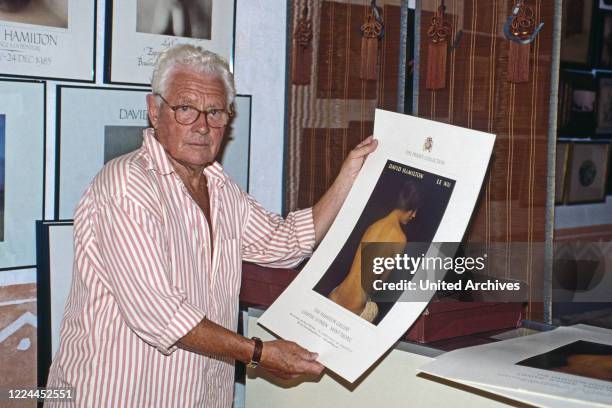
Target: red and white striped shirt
{"points": [[145, 275]]}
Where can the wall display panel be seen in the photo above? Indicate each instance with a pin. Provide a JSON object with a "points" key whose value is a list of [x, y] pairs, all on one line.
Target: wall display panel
{"points": [[337, 78], [52, 39], [95, 125], [588, 173], [55, 255], [479, 96], [142, 29], [22, 141]]}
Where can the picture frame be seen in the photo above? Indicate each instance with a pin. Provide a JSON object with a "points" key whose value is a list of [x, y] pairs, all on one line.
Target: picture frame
{"points": [[22, 140], [587, 174], [95, 125], [577, 104], [137, 33], [576, 32], [604, 105], [49, 39], [561, 163], [605, 5], [55, 256]]}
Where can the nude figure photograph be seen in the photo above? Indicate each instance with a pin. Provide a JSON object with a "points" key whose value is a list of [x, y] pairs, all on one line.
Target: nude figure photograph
{"points": [[51, 13], [178, 18], [406, 206]]}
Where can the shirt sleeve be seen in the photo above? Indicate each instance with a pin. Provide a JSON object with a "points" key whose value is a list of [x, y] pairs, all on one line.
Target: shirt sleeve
{"points": [[135, 267], [270, 240]]}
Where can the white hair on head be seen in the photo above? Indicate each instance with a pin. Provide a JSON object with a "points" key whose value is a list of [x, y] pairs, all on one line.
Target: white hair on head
{"points": [[194, 58]]}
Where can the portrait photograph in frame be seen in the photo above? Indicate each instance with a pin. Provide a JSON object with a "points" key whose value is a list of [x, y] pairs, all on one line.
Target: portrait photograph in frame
{"points": [[563, 153], [22, 135], [51, 39], [96, 125], [139, 30], [587, 173]]}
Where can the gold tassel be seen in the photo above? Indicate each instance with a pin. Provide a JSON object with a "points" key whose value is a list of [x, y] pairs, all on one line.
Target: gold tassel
{"points": [[371, 33], [302, 50], [439, 31]]}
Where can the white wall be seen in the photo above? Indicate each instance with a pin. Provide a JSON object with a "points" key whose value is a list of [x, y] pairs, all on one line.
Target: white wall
{"points": [[259, 68]]}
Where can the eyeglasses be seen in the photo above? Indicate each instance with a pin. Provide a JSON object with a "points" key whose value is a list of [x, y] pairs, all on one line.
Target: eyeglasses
{"points": [[187, 115]]}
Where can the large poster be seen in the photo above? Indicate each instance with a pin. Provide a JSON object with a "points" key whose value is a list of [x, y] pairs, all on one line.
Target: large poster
{"points": [[415, 188], [142, 29], [48, 38]]}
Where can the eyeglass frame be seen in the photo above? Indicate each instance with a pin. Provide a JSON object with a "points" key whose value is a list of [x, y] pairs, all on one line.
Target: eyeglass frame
{"points": [[174, 108]]}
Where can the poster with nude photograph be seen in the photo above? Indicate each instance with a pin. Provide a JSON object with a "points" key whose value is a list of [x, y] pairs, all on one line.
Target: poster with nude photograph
{"points": [[142, 29], [51, 39], [177, 18], [406, 205], [412, 191]]}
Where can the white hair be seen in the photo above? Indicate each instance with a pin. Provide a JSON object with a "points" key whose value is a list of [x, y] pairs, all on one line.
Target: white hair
{"points": [[194, 58]]}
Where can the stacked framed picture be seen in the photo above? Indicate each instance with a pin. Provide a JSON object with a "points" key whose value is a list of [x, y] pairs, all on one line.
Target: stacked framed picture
{"points": [[22, 144], [139, 30], [587, 173], [52, 39]]}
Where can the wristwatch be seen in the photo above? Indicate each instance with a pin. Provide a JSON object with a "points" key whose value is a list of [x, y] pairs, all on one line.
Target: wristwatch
{"points": [[256, 353]]}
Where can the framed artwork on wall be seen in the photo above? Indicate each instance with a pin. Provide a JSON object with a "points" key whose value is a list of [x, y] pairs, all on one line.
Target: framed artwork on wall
{"points": [[604, 106], [94, 125], [576, 31], [54, 256], [22, 148], [52, 39], [588, 173], [139, 30], [577, 104], [563, 153]]}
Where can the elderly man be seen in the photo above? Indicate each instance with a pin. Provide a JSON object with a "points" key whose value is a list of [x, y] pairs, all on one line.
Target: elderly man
{"points": [[159, 239]]}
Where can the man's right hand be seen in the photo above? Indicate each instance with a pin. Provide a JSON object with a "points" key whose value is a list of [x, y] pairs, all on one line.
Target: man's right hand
{"points": [[287, 359]]}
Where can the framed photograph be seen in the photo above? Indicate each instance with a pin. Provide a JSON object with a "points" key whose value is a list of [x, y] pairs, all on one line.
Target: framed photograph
{"points": [[563, 152], [604, 106], [605, 4], [55, 256], [605, 40], [53, 39], [22, 148], [578, 104], [95, 125], [588, 173], [576, 31], [142, 29]]}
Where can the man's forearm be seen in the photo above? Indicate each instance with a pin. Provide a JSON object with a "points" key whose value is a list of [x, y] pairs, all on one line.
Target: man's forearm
{"points": [[325, 210], [209, 338]]}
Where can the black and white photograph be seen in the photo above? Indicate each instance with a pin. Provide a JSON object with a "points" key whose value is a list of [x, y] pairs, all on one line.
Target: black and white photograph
{"points": [[178, 18], [120, 140], [142, 29], [406, 205], [48, 39], [51, 13]]}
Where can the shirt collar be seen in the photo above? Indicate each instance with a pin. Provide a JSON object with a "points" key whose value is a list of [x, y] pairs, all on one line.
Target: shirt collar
{"points": [[158, 159]]}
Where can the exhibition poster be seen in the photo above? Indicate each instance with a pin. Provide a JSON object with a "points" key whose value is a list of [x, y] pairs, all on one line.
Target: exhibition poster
{"points": [[419, 186]]}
